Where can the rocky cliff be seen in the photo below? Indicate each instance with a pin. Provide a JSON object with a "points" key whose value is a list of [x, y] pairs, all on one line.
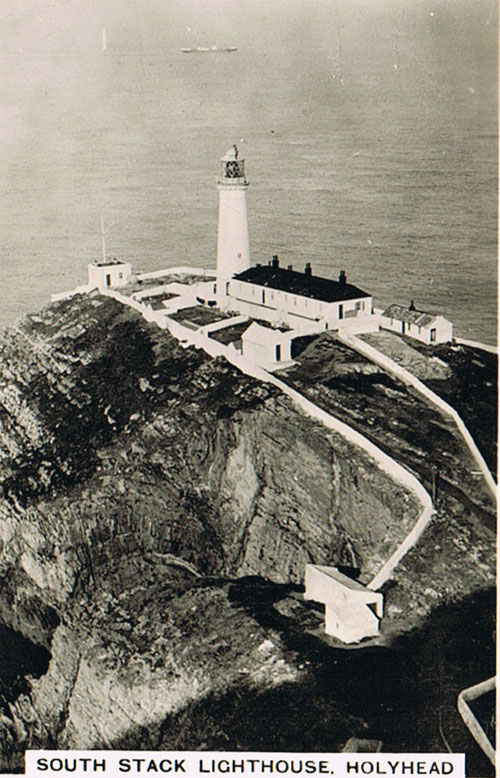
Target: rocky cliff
{"points": [[142, 484]]}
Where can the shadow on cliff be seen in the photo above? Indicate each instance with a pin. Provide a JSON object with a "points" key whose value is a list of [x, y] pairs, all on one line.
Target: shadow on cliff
{"points": [[19, 657], [404, 694]]}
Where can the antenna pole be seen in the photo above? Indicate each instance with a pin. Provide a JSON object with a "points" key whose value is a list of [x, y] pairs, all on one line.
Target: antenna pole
{"points": [[103, 240]]}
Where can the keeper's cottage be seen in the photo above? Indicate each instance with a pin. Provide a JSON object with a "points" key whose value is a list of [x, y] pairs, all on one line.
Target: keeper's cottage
{"points": [[280, 302], [295, 299]]}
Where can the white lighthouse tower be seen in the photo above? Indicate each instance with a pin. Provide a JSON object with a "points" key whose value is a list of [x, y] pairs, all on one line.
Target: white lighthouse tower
{"points": [[233, 247]]}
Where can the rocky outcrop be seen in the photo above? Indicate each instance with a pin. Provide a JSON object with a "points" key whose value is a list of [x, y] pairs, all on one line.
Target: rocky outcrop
{"points": [[140, 480]]}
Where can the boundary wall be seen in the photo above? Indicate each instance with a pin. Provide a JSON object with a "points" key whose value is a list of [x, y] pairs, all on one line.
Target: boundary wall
{"points": [[476, 344], [197, 338], [408, 378], [469, 695], [186, 270], [387, 464], [83, 289]]}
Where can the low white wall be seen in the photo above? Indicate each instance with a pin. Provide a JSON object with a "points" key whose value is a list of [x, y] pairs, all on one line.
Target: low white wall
{"points": [[222, 325], [84, 289], [183, 270], [361, 325], [173, 287], [386, 463], [408, 378], [473, 725], [477, 344], [177, 304]]}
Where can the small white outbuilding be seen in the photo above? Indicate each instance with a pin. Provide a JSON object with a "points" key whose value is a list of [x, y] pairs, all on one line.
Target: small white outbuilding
{"points": [[268, 347], [109, 274], [352, 612], [429, 328]]}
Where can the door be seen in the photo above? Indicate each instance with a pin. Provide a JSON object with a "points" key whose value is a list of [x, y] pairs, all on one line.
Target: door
{"points": [[278, 353], [341, 311], [108, 279]]}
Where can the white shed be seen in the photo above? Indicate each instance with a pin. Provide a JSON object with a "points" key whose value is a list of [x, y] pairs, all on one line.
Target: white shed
{"points": [[271, 348], [352, 612], [112, 273], [429, 328]]}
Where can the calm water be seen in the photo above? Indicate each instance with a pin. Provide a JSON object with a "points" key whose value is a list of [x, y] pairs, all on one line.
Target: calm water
{"points": [[369, 130]]}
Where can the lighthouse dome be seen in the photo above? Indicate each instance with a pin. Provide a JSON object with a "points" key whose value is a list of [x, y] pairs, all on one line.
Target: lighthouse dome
{"points": [[231, 154]]}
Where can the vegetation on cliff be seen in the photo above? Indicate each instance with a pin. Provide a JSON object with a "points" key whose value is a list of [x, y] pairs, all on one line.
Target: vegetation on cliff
{"points": [[158, 510]]}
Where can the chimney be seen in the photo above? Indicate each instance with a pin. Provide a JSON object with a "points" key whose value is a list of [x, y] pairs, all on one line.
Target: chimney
{"points": [[342, 278], [276, 262], [307, 270], [411, 307]]}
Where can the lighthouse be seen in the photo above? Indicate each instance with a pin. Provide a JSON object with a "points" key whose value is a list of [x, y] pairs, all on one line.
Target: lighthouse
{"points": [[233, 247]]}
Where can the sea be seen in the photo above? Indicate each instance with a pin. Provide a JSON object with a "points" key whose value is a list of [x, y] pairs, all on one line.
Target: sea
{"points": [[369, 129]]}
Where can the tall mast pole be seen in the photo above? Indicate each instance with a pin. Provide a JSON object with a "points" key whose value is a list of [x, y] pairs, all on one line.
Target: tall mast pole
{"points": [[103, 240]]}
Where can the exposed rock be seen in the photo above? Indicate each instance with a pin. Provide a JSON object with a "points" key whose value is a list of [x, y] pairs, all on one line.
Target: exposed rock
{"points": [[140, 479]]}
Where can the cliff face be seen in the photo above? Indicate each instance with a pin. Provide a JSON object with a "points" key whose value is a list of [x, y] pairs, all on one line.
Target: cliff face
{"points": [[139, 480]]}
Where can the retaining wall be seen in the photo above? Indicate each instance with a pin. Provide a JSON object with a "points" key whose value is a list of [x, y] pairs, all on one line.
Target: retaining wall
{"points": [[473, 725], [408, 378], [182, 270], [476, 344], [189, 337]]}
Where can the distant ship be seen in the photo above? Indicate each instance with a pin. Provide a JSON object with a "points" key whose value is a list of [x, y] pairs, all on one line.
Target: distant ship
{"points": [[209, 49]]}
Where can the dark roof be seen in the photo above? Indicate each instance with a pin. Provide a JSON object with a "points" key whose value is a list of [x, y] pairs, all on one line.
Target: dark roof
{"points": [[420, 318], [109, 261], [302, 284]]}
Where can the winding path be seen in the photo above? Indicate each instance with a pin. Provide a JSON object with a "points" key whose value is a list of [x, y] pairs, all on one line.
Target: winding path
{"points": [[404, 375], [188, 337]]}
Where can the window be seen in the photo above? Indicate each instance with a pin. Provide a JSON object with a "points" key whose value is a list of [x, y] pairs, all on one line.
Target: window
{"points": [[278, 353], [341, 311], [433, 335], [108, 280], [263, 296], [214, 288], [227, 287]]}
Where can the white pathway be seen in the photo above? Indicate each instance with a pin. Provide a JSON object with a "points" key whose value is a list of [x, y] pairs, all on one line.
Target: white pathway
{"points": [[408, 378], [188, 337], [477, 344], [199, 339]]}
